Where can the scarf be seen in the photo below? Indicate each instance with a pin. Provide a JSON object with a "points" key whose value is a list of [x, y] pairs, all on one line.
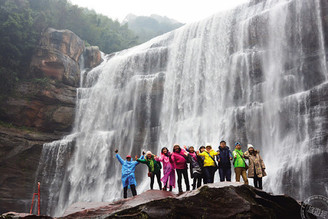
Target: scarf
{"points": [[151, 164], [193, 155]]}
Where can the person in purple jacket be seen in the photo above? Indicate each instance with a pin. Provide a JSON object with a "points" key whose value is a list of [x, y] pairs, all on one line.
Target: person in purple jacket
{"points": [[180, 163]]}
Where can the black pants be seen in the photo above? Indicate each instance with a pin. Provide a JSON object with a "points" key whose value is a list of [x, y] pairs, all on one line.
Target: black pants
{"points": [[204, 178], [133, 190], [152, 177], [225, 174], [183, 172], [209, 174], [197, 179], [257, 182], [165, 186]]}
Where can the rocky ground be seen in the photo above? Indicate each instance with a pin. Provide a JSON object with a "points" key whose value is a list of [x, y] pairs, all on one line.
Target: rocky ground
{"points": [[218, 200]]}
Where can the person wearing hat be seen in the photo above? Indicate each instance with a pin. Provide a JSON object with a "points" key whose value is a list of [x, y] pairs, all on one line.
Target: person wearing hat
{"points": [[239, 163], [154, 168], [210, 165], [128, 177], [196, 166], [224, 162], [256, 166]]}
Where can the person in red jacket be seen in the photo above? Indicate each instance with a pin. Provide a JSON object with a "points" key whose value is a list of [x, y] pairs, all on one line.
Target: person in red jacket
{"points": [[180, 163]]}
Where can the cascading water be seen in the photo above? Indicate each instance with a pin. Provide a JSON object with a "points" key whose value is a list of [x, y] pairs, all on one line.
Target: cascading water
{"points": [[256, 74]]}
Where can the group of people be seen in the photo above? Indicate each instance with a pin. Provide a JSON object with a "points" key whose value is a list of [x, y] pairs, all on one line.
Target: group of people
{"points": [[203, 164]]}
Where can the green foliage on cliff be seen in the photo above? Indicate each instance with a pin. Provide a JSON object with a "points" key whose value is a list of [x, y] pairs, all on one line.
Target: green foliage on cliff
{"points": [[94, 28], [18, 38], [21, 24]]}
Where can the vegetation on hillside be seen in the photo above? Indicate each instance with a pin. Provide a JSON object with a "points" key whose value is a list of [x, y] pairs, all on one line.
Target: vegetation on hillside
{"points": [[18, 38], [94, 28], [21, 24]]}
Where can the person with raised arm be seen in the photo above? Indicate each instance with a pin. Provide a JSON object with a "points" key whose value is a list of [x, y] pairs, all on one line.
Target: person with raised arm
{"points": [[180, 163], [210, 165], [128, 177], [154, 168], [196, 166], [168, 169]]}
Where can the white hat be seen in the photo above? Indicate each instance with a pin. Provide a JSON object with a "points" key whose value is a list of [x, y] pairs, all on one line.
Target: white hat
{"points": [[208, 145], [249, 146], [148, 152]]}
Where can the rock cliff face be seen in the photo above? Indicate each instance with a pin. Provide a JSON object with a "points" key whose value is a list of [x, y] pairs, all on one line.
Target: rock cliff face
{"points": [[40, 110], [19, 158], [57, 57], [46, 106], [93, 57]]}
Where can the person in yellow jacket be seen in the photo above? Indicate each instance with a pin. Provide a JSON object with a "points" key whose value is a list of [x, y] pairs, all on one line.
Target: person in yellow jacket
{"points": [[210, 165]]}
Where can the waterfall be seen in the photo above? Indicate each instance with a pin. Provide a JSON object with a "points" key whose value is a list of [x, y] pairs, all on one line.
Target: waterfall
{"points": [[255, 74]]}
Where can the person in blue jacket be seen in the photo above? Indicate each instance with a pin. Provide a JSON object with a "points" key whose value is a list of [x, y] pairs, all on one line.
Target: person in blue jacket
{"points": [[128, 178], [224, 162]]}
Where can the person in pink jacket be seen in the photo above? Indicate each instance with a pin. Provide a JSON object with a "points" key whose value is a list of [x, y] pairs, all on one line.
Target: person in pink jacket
{"points": [[180, 163], [168, 169]]}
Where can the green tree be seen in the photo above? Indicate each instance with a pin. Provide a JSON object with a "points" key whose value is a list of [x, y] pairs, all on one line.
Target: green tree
{"points": [[18, 38], [96, 29]]}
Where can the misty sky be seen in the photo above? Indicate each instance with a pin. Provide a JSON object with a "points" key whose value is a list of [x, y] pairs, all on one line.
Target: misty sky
{"points": [[185, 11]]}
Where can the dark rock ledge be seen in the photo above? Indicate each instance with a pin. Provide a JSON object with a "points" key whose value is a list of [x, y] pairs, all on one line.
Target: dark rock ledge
{"points": [[218, 200]]}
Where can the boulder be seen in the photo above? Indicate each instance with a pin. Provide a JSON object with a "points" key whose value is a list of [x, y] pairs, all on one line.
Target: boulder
{"points": [[218, 200], [92, 57], [57, 56]]}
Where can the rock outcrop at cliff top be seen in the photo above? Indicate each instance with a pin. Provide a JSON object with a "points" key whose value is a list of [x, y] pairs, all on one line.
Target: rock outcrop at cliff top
{"points": [[46, 101], [57, 56], [92, 57]]}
